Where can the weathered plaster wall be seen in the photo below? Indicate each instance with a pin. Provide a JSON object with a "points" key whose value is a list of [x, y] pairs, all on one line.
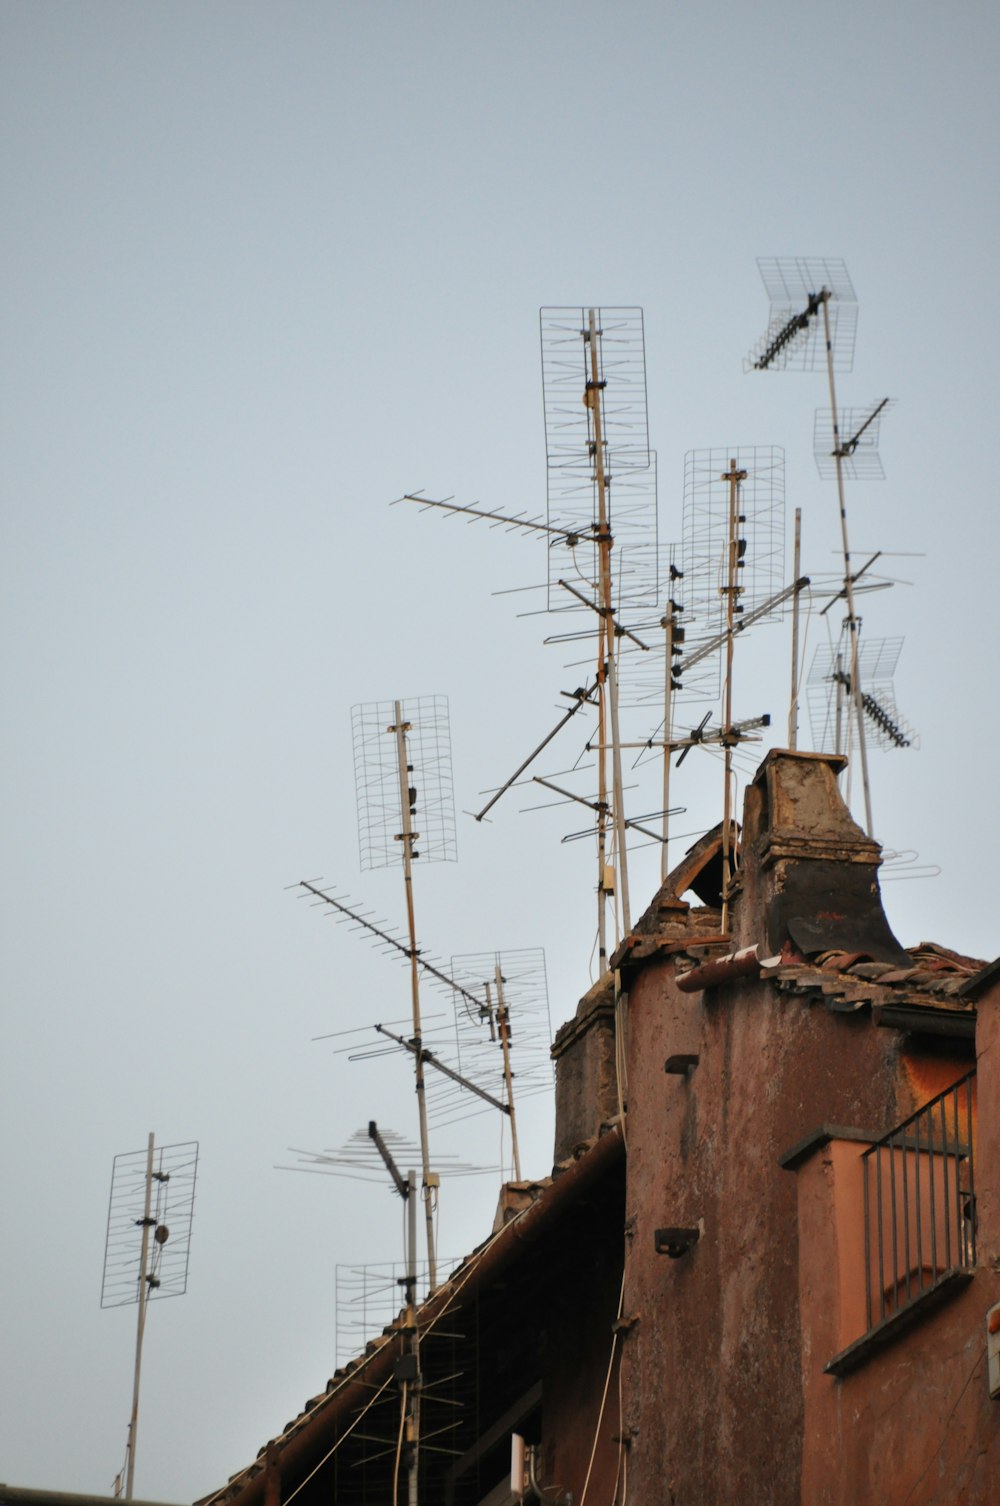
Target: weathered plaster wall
{"points": [[912, 1425], [577, 1346], [586, 1082], [711, 1371]]}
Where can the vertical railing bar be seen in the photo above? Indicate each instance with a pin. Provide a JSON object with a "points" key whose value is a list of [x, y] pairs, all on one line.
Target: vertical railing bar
{"points": [[972, 1170], [946, 1183], [868, 1238], [878, 1211], [922, 1201], [931, 1198], [892, 1215], [906, 1223], [960, 1259], [919, 1209]]}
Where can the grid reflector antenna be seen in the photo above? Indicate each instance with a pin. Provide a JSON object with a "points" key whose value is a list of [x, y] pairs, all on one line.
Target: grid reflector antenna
{"points": [[583, 416], [794, 339], [171, 1208], [705, 533], [525, 996], [378, 786], [677, 633]]}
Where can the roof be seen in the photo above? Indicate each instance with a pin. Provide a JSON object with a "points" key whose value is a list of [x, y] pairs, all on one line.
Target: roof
{"points": [[930, 994], [527, 1211]]}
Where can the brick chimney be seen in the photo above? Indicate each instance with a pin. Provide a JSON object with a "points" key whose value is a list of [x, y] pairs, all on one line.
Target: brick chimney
{"points": [[808, 878]]}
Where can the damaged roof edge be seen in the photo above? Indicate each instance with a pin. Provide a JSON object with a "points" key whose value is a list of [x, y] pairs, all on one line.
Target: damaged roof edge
{"points": [[300, 1447]]}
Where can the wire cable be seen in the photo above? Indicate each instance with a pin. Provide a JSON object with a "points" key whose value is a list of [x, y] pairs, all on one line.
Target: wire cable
{"points": [[399, 1447]]}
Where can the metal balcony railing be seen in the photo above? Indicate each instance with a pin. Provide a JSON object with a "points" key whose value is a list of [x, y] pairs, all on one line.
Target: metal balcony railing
{"points": [[920, 1203]]}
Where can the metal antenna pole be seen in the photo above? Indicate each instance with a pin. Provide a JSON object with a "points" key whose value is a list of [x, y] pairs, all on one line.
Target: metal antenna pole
{"points": [[606, 657], [413, 1421], [793, 704], [407, 838], [734, 476], [668, 684], [675, 636], [853, 624], [592, 400], [133, 1425], [503, 1022]]}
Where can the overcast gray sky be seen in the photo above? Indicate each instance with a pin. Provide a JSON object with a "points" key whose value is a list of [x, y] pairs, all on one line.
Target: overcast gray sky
{"points": [[266, 267]]}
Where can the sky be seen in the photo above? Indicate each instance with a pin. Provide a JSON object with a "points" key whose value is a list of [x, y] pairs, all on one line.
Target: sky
{"points": [[267, 267]]}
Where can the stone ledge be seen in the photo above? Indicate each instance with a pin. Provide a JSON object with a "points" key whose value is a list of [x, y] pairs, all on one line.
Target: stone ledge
{"points": [[932, 1297]]}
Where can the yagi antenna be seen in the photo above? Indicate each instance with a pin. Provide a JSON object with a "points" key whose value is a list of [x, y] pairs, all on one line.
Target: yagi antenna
{"points": [[830, 695], [473, 1010], [147, 1247], [853, 438], [392, 943]]}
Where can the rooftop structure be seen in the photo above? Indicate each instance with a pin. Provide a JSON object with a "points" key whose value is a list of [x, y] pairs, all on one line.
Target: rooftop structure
{"points": [[766, 1263]]}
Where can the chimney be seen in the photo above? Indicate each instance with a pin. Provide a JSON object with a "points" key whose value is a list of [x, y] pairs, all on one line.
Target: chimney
{"points": [[809, 874]]}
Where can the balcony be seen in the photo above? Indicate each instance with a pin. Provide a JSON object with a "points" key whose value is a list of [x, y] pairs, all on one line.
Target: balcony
{"points": [[919, 1203]]}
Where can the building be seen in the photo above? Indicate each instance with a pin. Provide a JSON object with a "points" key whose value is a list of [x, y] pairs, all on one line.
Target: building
{"points": [[766, 1265]]}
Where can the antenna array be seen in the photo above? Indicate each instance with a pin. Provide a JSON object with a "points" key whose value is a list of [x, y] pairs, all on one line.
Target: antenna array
{"points": [[813, 321], [796, 339]]}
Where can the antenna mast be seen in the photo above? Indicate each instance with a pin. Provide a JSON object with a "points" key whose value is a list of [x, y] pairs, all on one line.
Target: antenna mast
{"points": [[606, 668], [853, 620], [735, 476], [804, 291], [143, 1290], [407, 801], [145, 1186]]}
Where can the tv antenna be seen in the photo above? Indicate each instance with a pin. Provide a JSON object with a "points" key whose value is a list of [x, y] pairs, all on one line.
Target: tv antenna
{"points": [[518, 1026], [724, 577], [147, 1248], [473, 990], [733, 553], [397, 744], [366, 1157], [596, 449], [830, 694], [812, 324]]}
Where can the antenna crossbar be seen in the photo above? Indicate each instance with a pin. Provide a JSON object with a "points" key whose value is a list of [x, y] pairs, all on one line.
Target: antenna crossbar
{"points": [[595, 805], [422, 1053], [711, 644], [579, 698], [373, 1134], [604, 612], [841, 594]]}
